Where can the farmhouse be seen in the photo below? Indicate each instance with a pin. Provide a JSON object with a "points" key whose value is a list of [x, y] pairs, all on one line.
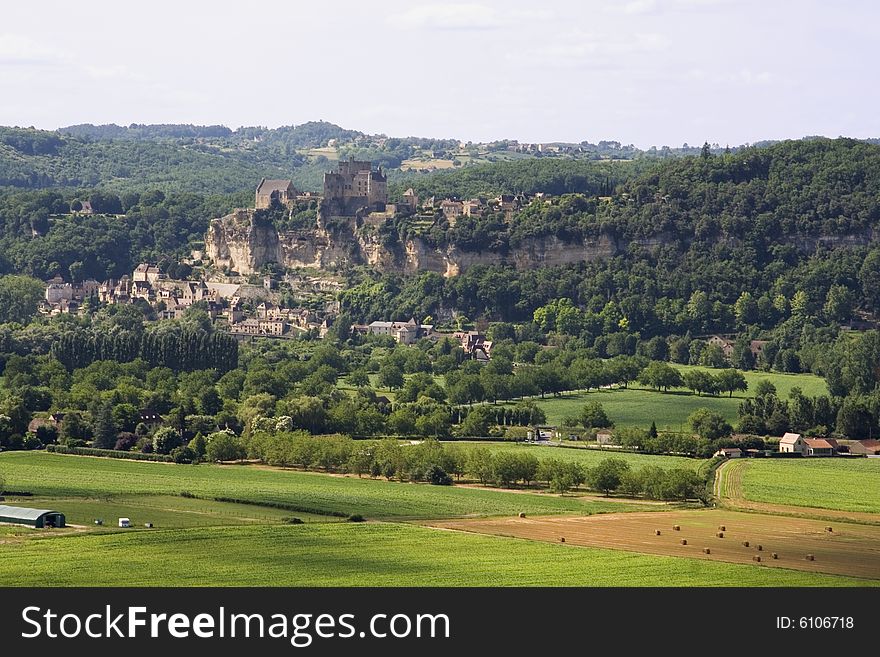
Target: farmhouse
{"points": [[820, 447], [726, 344], [729, 452], [793, 443], [38, 518]]}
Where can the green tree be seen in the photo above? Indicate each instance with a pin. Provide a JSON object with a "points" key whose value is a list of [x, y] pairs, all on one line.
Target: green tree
{"points": [[593, 416], [166, 439], [730, 381], [659, 375], [390, 376], [19, 298], [223, 446], [104, 427], [606, 475], [709, 424]]}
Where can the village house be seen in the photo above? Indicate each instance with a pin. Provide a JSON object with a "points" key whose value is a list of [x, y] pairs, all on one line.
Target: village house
{"points": [[452, 210], [474, 344], [473, 207], [145, 273], [793, 443], [726, 344], [403, 332], [729, 452], [411, 199]]}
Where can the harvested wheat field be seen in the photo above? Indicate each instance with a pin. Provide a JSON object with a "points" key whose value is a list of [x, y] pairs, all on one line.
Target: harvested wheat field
{"points": [[798, 543]]}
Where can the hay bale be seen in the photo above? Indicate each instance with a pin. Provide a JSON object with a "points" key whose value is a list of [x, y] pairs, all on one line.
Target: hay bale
{"points": [[707, 551], [656, 532], [676, 527], [684, 541], [522, 515], [562, 539], [722, 528], [811, 557], [760, 547], [720, 534], [757, 558], [773, 555], [745, 544]]}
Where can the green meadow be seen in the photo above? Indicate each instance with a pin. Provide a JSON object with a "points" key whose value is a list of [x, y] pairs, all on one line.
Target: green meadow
{"points": [[637, 406], [828, 483], [62, 476], [366, 554]]}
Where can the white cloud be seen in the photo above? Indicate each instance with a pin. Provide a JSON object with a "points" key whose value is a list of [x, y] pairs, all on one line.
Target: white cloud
{"points": [[592, 50], [447, 17], [18, 49], [462, 17], [640, 6]]}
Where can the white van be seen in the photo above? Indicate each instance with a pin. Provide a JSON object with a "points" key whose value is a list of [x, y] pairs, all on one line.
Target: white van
{"points": [[124, 522]]}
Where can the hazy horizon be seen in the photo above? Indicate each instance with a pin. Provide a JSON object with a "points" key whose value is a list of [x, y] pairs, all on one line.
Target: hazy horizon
{"points": [[646, 72]]}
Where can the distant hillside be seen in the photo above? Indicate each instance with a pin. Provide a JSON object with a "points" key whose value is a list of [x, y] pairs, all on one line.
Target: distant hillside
{"points": [[217, 159]]}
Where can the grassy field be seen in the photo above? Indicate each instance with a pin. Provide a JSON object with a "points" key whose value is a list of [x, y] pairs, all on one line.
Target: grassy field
{"points": [[635, 406], [61, 476], [590, 457], [372, 554], [828, 483], [164, 511]]}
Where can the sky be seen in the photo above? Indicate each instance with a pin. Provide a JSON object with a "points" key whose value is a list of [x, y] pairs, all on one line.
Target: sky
{"points": [[646, 72]]}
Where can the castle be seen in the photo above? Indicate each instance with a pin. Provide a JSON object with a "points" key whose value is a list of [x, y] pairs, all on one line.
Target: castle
{"points": [[355, 185], [268, 190]]}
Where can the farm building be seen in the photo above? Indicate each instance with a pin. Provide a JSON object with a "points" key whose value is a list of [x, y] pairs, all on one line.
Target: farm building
{"points": [[730, 452], [820, 447], [604, 437], [38, 518], [793, 443]]}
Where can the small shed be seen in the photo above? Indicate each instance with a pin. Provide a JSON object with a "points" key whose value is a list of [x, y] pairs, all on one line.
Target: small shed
{"points": [[604, 437], [39, 518]]}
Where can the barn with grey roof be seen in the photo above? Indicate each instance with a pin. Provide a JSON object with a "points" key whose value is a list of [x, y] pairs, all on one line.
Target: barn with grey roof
{"points": [[39, 518]]}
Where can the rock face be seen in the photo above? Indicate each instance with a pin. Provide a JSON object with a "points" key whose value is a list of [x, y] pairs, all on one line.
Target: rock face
{"points": [[240, 244]]}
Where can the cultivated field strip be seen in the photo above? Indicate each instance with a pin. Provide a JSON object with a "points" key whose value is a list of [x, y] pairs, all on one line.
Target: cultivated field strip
{"points": [[848, 549]]}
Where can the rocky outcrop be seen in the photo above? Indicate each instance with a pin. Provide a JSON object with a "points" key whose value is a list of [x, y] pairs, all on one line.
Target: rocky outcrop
{"points": [[238, 243]]}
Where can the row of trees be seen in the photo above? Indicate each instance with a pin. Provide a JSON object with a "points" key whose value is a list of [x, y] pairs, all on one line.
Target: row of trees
{"points": [[438, 463], [184, 350]]}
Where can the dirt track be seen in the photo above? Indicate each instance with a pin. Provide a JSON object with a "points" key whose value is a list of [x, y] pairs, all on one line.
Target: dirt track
{"points": [[849, 549]]}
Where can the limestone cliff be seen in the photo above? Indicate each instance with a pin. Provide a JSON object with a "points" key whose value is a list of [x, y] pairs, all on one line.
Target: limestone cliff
{"points": [[240, 244]]}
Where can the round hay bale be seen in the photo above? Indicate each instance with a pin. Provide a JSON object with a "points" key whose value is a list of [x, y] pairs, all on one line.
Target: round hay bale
{"points": [[745, 544], [522, 514], [760, 547], [757, 558], [773, 555], [676, 527], [656, 532], [562, 539], [707, 551], [722, 528], [811, 557], [684, 541], [720, 534]]}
